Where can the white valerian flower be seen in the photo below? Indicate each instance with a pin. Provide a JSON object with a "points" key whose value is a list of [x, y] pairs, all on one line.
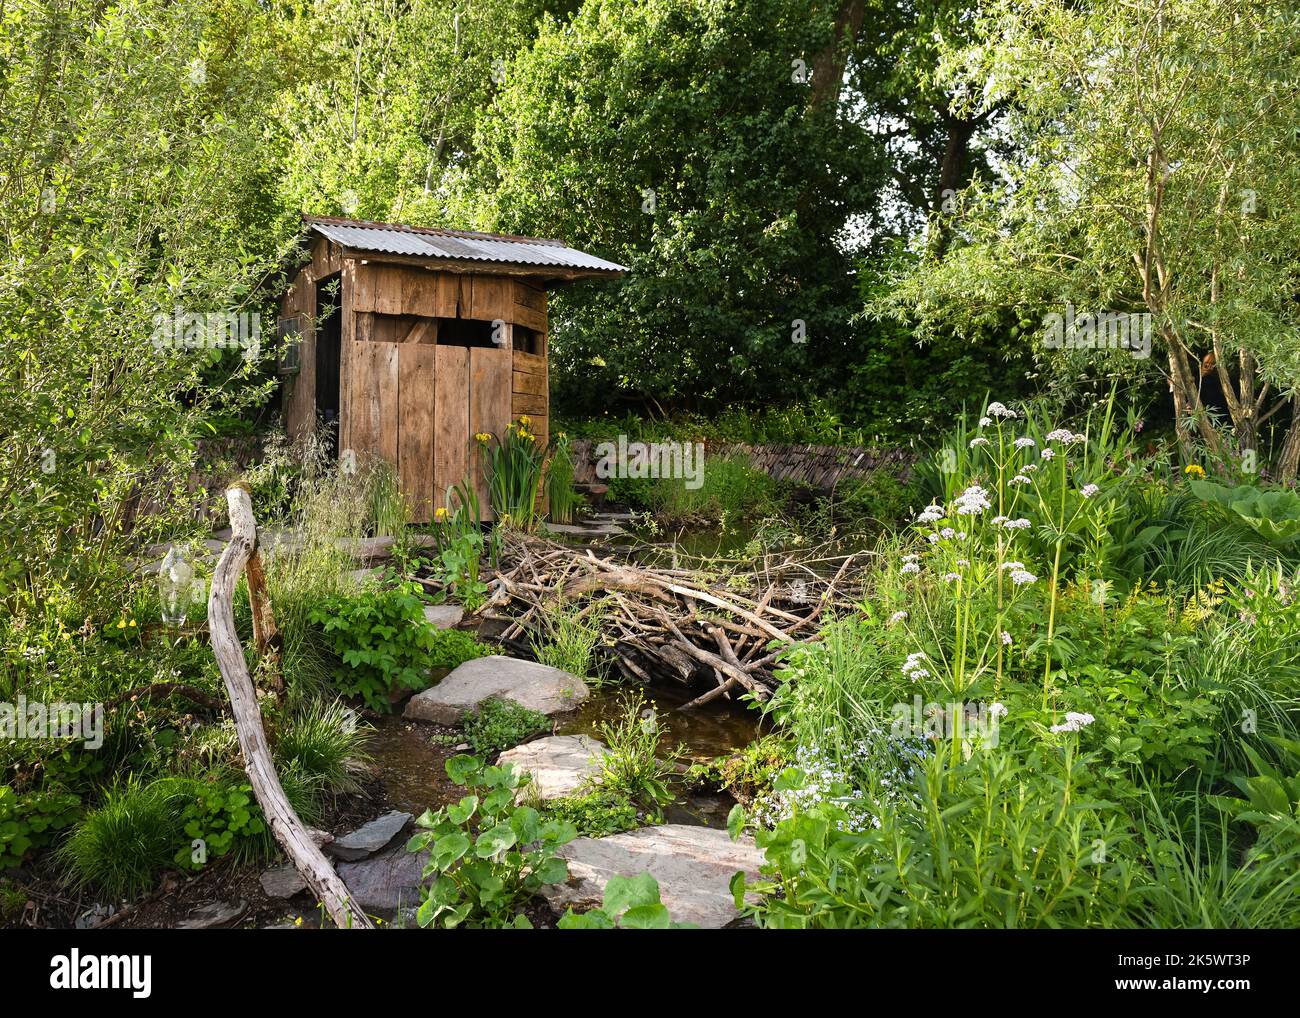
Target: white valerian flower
{"points": [[932, 538], [930, 514], [1006, 638], [961, 535], [911, 557], [963, 562], [952, 577], [996, 710], [1013, 565], [1074, 721], [978, 441], [1025, 442], [998, 410], [1047, 454], [913, 667], [910, 567], [1020, 524], [1062, 435], [971, 502], [897, 617], [1022, 576], [947, 533], [998, 520], [985, 421], [1089, 490], [1019, 479]]}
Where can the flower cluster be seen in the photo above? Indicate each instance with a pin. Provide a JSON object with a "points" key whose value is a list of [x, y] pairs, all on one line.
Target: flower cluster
{"points": [[971, 502], [914, 667], [1074, 721]]}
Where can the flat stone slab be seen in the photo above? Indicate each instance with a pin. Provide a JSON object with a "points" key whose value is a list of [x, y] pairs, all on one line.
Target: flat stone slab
{"points": [[387, 881], [282, 881], [443, 616], [532, 685], [560, 764], [694, 867], [212, 915], [360, 577], [578, 530], [368, 838]]}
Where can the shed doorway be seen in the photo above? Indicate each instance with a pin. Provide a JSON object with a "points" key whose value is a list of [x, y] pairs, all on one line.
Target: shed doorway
{"points": [[329, 341]]}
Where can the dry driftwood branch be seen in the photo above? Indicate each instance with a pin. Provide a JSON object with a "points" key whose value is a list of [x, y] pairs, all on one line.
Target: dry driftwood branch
{"points": [[289, 831]]}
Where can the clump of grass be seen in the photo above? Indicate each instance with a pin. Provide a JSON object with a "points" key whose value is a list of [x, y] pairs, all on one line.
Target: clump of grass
{"points": [[325, 740], [560, 493], [569, 635], [120, 847]]}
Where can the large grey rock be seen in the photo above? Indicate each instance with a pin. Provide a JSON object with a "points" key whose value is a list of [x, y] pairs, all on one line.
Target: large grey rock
{"points": [[559, 764], [535, 686], [368, 838], [443, 616], [694, 867], [212, 915], [386, 881]]}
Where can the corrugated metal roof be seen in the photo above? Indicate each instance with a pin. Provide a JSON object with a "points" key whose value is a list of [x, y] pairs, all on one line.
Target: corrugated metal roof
{"points": [[425, 242]]}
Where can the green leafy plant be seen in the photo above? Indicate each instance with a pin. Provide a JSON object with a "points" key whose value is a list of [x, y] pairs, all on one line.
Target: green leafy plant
{"points": [[1274, 514], [459, 538], [1272, 795], [382, 641], [633, 768], [596, 813], [563, 500], [220, 817], [487, 856], [500, 723], [569, 635], [629, 903], [513, 464], [31, 821]]}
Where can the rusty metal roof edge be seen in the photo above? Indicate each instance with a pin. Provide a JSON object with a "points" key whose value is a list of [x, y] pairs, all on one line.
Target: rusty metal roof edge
{"points": [[437, 231]]}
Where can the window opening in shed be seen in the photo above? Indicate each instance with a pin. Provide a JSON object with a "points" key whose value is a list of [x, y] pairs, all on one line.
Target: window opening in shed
{"points": [[465, 332]]}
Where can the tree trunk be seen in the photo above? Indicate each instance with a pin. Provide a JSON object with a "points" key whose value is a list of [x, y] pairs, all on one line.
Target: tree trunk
{"points": [[289, 831], [1288, 462], [828, 64]]}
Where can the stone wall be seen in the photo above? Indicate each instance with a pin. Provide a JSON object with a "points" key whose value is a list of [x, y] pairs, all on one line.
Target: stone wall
{"points": [[819, 467]]}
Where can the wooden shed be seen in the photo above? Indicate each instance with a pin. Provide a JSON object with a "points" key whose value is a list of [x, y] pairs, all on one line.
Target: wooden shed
{"points": [[411, 340]]}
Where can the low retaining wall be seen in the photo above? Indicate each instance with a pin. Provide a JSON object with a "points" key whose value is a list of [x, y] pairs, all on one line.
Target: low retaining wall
{"points": [[820, 467]]}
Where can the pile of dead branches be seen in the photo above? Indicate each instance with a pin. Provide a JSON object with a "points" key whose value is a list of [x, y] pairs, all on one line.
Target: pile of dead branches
{"points": [[717, 627]]}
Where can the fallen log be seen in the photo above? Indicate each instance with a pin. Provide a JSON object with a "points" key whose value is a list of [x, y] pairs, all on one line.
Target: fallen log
{"points": [[289, 831]]}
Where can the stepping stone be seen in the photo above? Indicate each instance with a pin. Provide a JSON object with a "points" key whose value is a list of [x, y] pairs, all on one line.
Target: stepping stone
{"points": [[694, 867], [580, 530], [369, 838], [210, 916], [385, 881], [560, 764], [360, 577], [535, 686], [282, 881], [444, 616]]}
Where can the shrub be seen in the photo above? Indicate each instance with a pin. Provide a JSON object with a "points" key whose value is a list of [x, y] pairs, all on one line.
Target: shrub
{"points": [[384, 643], [487, 856]]}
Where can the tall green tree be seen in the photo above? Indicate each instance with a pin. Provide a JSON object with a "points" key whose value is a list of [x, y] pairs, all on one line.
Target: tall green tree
{"points": [[1157, 174], [685, 140]]}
